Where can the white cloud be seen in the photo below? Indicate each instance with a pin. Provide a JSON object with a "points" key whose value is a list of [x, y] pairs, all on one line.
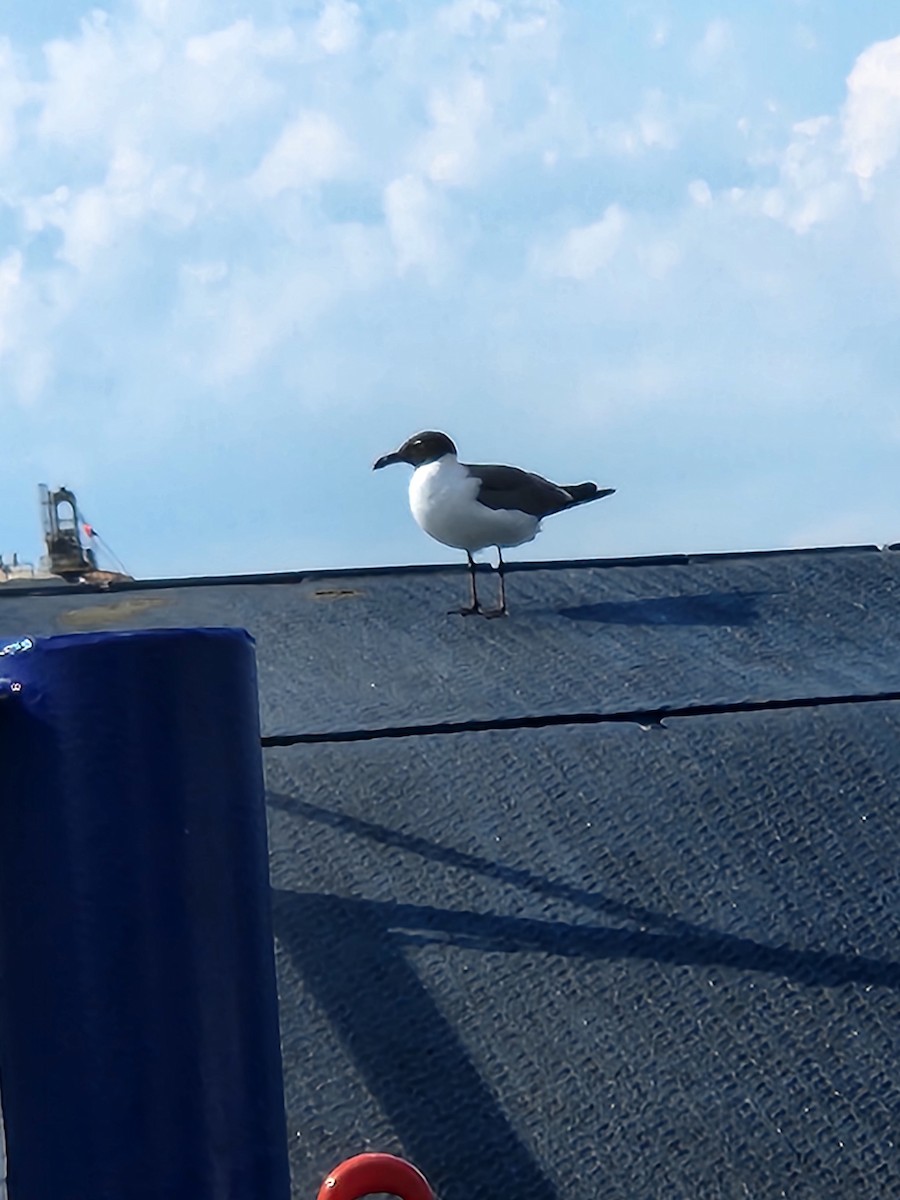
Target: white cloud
{"points": [[468, 16], [660, 256], [338, 28], [224, 75], [363, 253], [451, 150], [812, 187], [717, 40], [254, 315], [223, 48], [410, 209], [93, 219], [659, 32], [806, 38], [220, 46], [534, 25], [309, 150], [118, 81], [586, 249], [10, 286], [237, 318], [501, 22], [156, 12], [163, 13], [653, 127], [170, 251], [25, 332], [88, 78], [862, 141], [560, 132], [13, 94], [205, 273], [871, 117]]}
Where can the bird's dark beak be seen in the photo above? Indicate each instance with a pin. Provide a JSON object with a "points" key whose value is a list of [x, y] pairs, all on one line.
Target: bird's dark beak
{"points": [[387, 460]]}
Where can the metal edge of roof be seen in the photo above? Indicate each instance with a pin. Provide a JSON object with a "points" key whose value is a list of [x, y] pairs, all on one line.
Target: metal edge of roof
{"points": [[294, 577]]}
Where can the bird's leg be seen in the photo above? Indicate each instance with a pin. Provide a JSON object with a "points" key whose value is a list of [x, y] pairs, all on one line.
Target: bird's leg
{"points": [[502, 611], [474, 607]]}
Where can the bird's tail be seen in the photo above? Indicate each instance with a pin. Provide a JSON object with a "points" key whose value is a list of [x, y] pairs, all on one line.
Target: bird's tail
{"points": [[582, 493]]}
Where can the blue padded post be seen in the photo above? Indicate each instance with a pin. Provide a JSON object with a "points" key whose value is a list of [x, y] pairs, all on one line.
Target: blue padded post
{"points": [[139, 1045]]}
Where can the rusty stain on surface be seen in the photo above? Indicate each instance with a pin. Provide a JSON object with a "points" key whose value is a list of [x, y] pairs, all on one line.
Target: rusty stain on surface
{"points": [[335, 593], [100, 616]]}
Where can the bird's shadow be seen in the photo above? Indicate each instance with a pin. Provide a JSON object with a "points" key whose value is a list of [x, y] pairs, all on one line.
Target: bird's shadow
{"points": [[708, 608]]}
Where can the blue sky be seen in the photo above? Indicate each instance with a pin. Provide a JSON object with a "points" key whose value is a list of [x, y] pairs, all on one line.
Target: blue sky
{"points": [[247, 247]]}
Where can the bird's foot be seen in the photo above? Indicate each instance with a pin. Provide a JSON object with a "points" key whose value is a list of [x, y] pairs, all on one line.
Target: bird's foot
{"points": [[495, 612], [472, 611]]}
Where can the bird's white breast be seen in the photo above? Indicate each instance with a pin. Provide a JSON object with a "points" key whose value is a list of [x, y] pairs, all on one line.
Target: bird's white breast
{"points": [[442, 498]]}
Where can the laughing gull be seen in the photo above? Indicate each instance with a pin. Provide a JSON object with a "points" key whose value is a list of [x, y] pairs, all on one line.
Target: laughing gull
{"points": [[472, 507]]}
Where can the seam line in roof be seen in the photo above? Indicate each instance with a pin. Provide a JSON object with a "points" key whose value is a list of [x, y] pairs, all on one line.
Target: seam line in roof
{"points": [[646, 718], [553, 564]]}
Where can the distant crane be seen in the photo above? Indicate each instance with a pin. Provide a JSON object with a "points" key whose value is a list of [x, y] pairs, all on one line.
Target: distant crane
{"points": [[67, 555]]}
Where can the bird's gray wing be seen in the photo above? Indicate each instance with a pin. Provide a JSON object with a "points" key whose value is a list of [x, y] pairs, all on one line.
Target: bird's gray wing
{"points": [[508, 487]]}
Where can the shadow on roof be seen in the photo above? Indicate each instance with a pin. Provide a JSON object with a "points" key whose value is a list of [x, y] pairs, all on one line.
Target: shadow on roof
{"points": [[408, 1054], [709, 608], [679, 942]]}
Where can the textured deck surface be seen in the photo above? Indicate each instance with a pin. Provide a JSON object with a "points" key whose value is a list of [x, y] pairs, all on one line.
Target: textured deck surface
{"points": [[598, 961]]}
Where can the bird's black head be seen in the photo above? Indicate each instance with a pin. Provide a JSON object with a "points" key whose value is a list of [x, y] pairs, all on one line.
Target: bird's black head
{"points": [[420, 448]]}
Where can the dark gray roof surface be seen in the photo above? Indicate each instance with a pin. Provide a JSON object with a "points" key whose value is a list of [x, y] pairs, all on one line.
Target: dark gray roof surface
{"points": [[594, 961], [370, 649]]}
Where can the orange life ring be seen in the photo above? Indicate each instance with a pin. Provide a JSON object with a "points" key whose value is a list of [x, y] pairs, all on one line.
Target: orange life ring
{"points": [[369, 1174]]}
